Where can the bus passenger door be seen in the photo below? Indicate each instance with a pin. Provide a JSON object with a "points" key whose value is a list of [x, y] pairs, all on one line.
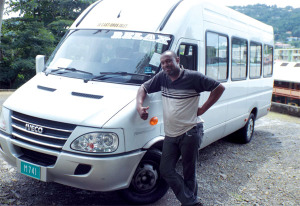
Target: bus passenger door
{"points": [[214, 119]]}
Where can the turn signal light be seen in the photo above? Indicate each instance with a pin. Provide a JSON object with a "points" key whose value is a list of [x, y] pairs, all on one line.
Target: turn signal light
{"points": [[153, 121]]}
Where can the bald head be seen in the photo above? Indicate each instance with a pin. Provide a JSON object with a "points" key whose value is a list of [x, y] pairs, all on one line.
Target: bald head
{"points": [[169, 52]]}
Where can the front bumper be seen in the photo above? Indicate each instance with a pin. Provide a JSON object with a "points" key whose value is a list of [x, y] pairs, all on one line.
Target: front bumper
{"points": [[107, 173]]}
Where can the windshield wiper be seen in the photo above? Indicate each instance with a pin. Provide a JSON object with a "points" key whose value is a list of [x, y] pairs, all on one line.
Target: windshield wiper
{"points": [[103, 74], [68, 69]]}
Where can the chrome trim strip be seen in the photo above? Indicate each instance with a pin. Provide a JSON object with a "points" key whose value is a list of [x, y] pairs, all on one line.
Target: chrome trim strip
{"points": [[36, 142], [61, 130], [42, 135], [34, 148]]}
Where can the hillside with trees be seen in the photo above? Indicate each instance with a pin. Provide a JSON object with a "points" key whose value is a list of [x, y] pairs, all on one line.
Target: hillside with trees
{"points": [[285, 21]]}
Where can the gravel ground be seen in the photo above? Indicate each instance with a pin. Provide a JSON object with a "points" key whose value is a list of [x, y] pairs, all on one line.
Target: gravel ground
{"points": [[263, 172]]}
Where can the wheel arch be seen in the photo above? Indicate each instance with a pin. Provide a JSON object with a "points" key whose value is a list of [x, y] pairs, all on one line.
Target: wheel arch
{"points": [[254, 111], [156, 143]]}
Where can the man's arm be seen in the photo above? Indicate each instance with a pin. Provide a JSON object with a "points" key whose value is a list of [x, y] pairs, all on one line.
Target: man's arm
{"points": [[141, 95], [213, 97]]}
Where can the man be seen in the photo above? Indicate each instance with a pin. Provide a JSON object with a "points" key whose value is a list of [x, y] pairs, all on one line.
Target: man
{"points": [[180, 97]]}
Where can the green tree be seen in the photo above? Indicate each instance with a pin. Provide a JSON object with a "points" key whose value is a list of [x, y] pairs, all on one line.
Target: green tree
{"points": [[23, 39], [39, 28], [56, 15], [1, 14], [283, 20]]}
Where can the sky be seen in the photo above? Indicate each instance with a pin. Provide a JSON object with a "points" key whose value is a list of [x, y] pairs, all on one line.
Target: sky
{"points": [[279, 3]]}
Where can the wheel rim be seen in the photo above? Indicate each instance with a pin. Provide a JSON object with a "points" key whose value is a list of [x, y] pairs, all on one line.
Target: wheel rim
{"points": [[145, 178], [250, 128]]}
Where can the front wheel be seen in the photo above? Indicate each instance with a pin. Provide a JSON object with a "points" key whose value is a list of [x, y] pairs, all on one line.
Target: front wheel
{"points": [[147, 186]]}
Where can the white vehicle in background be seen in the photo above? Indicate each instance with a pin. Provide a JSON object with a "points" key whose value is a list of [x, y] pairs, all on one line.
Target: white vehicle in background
{"points": [[75, 122]]}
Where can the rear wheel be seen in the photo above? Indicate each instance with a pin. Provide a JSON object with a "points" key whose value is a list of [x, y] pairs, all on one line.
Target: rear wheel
{"points": [[146, 186], [245, 134]]}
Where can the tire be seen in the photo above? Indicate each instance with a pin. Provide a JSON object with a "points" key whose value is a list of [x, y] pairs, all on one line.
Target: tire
{"points": [[146, 186], [245, 134]]}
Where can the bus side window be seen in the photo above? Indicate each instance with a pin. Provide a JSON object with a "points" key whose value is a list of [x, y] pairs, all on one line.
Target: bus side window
{"points": [[217, 56], [239, 54], [255, 60], [268, 61], [188, 56]]}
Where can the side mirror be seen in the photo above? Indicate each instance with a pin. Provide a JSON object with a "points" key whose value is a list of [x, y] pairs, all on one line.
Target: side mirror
{"points": [[39, 63]]}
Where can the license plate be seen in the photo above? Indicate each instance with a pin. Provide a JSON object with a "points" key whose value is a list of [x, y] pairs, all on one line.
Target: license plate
{"points": [[31, 170]]}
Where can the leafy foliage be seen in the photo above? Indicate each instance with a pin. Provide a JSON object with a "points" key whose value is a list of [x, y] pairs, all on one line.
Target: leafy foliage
{"points": [[285, 21], [41, 25], [23, 39]]}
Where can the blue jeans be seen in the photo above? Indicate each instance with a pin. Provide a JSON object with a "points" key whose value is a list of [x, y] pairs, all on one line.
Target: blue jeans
{"points": [[186, 145]]}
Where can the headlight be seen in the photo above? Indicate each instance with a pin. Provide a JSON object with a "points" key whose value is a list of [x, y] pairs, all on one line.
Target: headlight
{"points": [[96, 142]]}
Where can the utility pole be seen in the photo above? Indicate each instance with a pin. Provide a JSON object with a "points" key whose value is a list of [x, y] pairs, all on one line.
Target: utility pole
{"points": [[1, 15]]}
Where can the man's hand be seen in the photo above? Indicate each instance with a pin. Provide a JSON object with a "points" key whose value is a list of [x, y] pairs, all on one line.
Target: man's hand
{"points": [[213, 97], [143, 112]]}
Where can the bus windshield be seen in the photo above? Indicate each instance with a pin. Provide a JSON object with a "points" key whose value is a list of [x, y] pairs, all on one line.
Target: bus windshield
{"points": [[106, 55]]}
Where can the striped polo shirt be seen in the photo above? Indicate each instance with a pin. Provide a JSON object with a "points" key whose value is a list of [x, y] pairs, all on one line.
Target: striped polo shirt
{"points": [[180, 98]]}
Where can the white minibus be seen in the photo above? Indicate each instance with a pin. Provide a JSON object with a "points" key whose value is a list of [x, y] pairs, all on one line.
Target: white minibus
{"points": [[75, 122]]}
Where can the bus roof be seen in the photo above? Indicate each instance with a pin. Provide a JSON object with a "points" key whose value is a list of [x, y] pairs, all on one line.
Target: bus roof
{"points": [[136, 15], [287, 72], [162, 16]]}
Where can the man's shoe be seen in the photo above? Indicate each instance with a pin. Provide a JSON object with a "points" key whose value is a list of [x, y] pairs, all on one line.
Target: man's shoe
{"points": [[197, 204]]}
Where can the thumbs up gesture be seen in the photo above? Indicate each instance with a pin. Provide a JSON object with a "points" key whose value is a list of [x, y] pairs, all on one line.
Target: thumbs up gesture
{"points": [[143, 112]]}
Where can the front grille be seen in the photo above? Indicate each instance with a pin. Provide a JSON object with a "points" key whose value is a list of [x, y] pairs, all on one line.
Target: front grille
{"points": [[37, 157], [40, 132]]}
